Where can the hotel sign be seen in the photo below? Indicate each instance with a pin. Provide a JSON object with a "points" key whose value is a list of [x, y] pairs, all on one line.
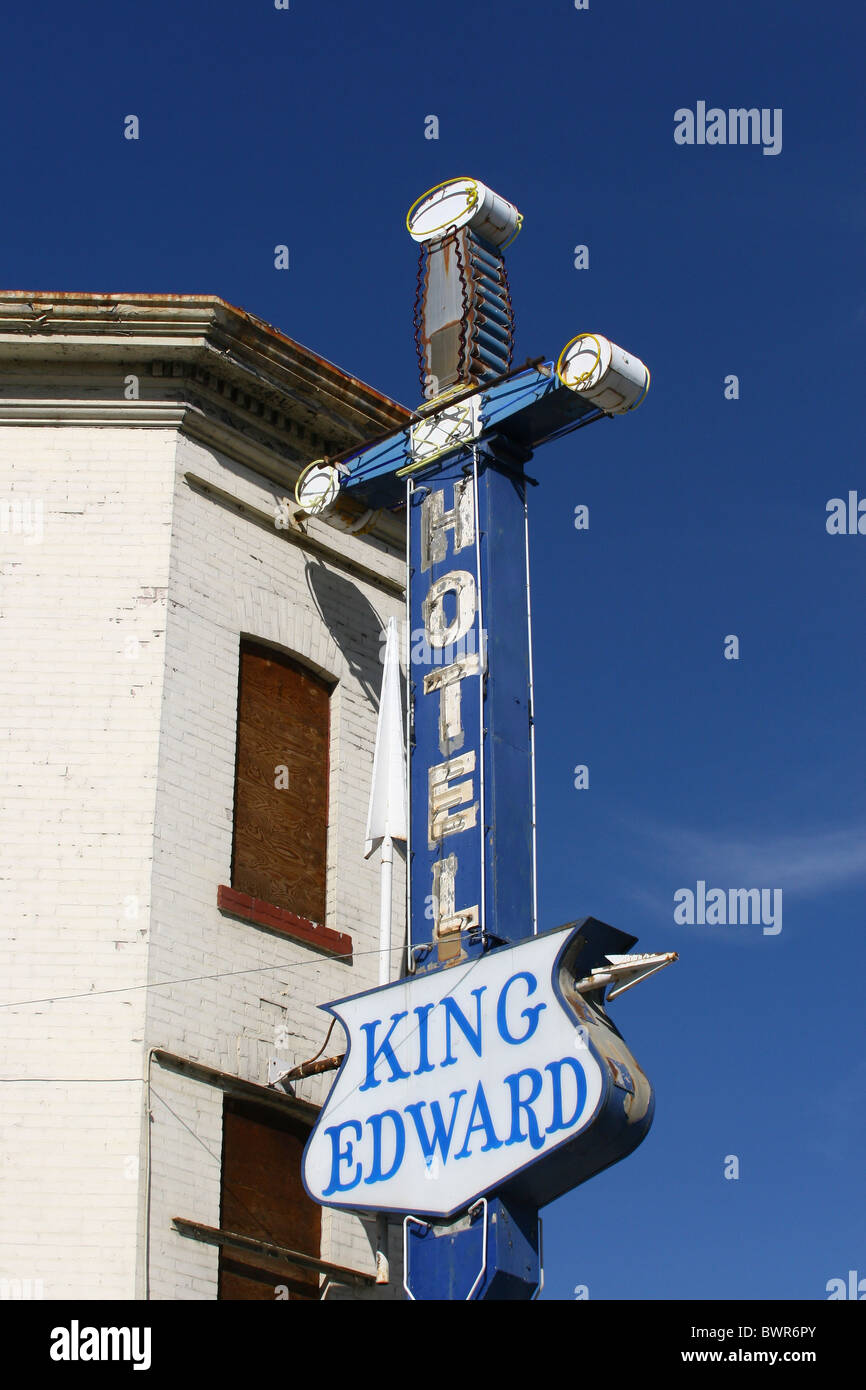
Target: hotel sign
{"points": [[484, 1077], [492, 1069], [447, 805], [471, 835]]}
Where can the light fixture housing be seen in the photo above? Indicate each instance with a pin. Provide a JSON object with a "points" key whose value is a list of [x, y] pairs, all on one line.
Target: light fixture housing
{"points": [[463, 202], [607, 375]]}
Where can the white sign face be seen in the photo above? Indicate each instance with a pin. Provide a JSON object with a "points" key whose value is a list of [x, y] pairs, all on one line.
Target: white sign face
{"points": [[450, 427], [453, 1082]]}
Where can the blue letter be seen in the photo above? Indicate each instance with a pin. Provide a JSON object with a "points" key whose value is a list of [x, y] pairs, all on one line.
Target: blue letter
{"points": [[383, 1050], [441, 1136], [485, 1123], [555, 1069], [342, 1156], [424, 1063], [375, 1123], [517, 1136], [530, 1014], [472, 1037]]}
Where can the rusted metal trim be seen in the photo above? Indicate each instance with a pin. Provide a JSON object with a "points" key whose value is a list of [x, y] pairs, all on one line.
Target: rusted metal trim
{"points": [[236, 1086], [212, 1235], [313, 1068]]}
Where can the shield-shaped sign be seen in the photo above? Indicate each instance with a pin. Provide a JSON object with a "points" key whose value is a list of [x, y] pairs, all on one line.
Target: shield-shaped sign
{"points": [[494, 1075]]}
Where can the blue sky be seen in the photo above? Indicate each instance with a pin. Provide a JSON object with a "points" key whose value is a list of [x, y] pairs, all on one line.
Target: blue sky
{"points": [[707, 516]]}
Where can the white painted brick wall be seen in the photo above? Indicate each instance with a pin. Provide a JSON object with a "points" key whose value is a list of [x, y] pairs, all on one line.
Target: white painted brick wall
{"points": [[83, 630], [122, 627], [231, 577]]}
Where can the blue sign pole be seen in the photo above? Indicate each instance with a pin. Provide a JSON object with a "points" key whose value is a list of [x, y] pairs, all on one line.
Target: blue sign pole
{"points": [[472, 841], [472, 845]]}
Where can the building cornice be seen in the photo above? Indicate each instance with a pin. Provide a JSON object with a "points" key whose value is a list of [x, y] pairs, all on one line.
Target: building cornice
{"points": [[99, 324], [224, 376]]}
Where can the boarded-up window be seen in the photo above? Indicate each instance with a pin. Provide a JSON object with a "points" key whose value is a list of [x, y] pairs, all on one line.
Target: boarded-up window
{"points": [[281, 783], [263, 1197]]}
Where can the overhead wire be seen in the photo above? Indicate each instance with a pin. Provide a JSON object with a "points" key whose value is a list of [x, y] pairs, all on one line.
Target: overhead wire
{"points": [[189, 979]]}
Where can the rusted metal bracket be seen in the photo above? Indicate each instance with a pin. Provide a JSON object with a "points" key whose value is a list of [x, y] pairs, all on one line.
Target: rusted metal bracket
{"points": [[304, 1069]]}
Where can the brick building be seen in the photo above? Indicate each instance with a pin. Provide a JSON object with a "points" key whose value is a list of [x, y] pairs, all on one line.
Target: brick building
{"points": [[190, 693]]}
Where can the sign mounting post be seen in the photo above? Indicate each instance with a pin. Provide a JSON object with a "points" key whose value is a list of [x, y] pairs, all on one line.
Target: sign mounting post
{"points": [[490, 1080]]}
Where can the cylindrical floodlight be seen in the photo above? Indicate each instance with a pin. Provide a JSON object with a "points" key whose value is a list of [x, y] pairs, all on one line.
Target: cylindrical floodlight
{"points": [[605, 374], [317, 493], [318, 487], [463, 202]]}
